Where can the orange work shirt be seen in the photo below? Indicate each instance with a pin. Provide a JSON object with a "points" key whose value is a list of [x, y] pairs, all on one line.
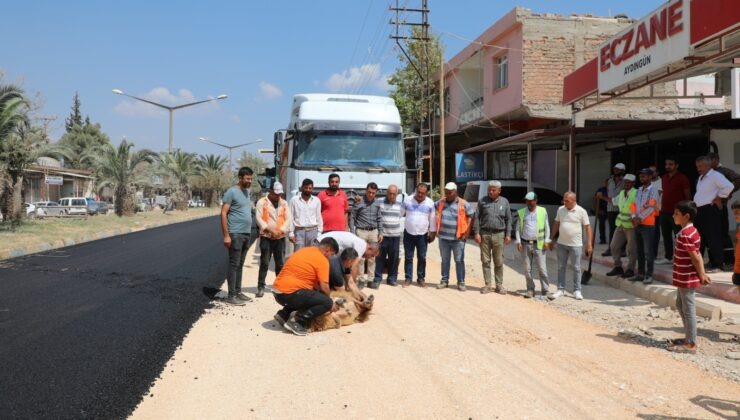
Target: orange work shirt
{"points": [[303, 270]]}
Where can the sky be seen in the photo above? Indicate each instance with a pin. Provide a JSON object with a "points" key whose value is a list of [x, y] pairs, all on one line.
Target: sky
{"points": [[259, 53]]}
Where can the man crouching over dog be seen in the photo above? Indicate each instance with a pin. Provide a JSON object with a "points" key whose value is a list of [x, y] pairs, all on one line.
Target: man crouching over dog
{"points": [[303, 286]]}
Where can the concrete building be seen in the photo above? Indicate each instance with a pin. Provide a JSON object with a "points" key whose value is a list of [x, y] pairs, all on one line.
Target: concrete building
{"points": [[48, 180], [505, 90]]}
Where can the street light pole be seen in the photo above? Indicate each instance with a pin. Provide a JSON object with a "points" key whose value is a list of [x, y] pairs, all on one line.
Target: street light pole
{"points": [[231, 148], [171, 109]]}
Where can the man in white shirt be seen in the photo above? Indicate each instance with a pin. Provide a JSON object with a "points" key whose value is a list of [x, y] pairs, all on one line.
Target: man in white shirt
{"points": [[711, 188], [346, 240], [420, 230], [570, 221], [307, 221]]}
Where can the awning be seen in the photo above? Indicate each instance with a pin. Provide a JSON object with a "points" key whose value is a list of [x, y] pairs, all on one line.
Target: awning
{"points": [[556, 138]]}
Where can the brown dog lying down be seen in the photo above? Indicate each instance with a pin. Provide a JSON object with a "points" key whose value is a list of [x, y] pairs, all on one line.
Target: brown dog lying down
{"points": [[351, 310]]}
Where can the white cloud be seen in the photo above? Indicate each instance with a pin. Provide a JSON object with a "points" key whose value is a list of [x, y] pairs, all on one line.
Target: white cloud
{"points": [[358, 78], [269, 91], [162, 95]]}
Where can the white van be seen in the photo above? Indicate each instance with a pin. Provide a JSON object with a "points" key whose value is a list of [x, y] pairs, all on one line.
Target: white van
{"points": [[76, 206], [514, 190]]}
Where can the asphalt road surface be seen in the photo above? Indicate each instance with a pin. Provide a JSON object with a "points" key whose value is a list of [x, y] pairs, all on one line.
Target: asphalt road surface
{"points": [[85, 330]]}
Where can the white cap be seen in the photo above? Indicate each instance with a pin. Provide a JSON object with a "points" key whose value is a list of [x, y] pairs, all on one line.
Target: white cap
{"points": [[451, 186], [277, 187], [620, 166], [629, 177]]}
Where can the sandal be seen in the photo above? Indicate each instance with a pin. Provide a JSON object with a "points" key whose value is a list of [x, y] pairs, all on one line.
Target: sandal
{"points": [[682, 349]]}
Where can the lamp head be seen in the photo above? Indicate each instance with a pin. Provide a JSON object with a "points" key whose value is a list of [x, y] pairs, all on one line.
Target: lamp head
{"points": [[118, 91]]}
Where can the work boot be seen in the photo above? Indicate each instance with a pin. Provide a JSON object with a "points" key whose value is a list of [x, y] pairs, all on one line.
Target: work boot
{"points": [[616, 271], [442, 285], [485, 290], [233, 300], [260, 292]]}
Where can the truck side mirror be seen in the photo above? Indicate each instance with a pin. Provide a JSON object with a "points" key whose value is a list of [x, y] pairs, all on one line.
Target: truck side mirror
{"points": [[278, 145]]}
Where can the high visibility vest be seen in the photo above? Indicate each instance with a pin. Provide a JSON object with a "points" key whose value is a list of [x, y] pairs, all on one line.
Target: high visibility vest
{"points": [[462, 217], [267, 206], [541, 220], [624, 218], [649, 220]]}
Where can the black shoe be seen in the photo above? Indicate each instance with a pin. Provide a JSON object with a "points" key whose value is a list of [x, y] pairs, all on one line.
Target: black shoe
{"points": [[360, 284], [279, 318], [260, 292], [234, 300], [638, 277], [374, 285], [393, 283], [244, 298], [607, 253], [442, 285], [627, 274], [295, 327], [616, 271]]}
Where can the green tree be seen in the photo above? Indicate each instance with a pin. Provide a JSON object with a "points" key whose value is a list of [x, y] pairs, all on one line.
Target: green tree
{"points": [[180, 167], [14, 124], [212, 177], [408, 85], [117, 168], [80, 140], [75, 117]]}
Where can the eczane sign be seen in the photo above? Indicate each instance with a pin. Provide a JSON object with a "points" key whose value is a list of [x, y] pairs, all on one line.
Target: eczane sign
{"points": [[647, 46]]}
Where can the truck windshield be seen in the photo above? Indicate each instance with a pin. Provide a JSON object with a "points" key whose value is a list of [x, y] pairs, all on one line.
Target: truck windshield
{"points": [[350, 149]]}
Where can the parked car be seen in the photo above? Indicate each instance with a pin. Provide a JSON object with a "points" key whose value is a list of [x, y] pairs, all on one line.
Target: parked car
{"points": [[74, 206], [102, 207], [30, 210], [92, 206], [514, 190], [48, 209]]}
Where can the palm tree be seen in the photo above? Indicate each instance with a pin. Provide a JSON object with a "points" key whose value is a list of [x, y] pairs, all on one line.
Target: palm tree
{"points": [[14, 122], [117, 168], [180, 167], [212, 173]]}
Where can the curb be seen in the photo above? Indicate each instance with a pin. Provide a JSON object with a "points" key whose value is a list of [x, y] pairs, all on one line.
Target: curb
{"points": [[663, 295], [63, 243]]}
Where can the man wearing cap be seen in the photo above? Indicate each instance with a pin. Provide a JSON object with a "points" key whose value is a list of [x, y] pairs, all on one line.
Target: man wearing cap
{"points": [[532, 239], [492, 232], [613, 187], [273, 221], [625, 232], [454, 222], [644, 211]]}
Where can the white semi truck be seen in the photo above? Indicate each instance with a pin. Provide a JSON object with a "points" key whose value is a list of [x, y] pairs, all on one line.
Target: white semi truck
{"points": [[358, 137]]}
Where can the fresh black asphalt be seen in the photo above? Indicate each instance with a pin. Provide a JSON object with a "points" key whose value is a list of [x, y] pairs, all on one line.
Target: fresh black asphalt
{"points": [[85, 330]]}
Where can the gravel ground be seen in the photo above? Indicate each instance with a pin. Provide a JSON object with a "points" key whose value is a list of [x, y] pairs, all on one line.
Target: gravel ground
{"points": [[427, 353]]}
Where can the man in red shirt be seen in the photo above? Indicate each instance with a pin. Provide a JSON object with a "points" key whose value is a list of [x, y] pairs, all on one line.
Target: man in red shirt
{"points": [[676, 188], [688, 274], [334, 206]]}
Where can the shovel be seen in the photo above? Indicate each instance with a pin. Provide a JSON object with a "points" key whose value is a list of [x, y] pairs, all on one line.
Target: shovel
{"points": [[586, 276]]}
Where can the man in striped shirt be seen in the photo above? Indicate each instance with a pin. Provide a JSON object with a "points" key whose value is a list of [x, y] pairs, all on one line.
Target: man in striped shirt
{"points": [[688, 274], [389, 236]]}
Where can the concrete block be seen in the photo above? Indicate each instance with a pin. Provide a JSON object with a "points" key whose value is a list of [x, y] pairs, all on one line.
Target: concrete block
{"points": [[663, 296], [707, 310], [642, 290]]}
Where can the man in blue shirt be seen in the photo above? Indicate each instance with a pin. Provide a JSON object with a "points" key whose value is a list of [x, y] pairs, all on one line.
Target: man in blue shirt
{"points": [[236, 225]]}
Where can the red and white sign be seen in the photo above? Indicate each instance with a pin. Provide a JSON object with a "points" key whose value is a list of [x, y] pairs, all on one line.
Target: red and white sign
{"points": [[647, 46]]}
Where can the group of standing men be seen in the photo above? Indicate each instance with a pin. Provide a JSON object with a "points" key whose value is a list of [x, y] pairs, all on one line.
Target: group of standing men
{"points": [[641, 209]]}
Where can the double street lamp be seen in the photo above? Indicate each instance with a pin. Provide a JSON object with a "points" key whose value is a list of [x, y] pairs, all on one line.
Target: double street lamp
{"points": [[171, 109], [231, 148]]}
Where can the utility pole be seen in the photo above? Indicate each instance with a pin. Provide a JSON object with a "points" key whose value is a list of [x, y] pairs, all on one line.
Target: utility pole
{"points": [[442, 120], [423, 75]]}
